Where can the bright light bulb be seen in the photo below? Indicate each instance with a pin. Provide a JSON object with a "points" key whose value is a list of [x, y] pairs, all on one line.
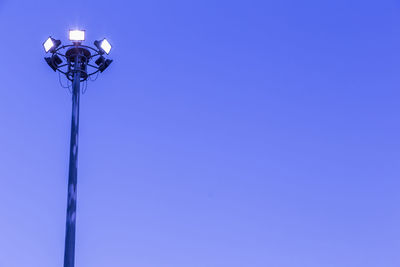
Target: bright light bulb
{"points": [[48, 45], [76, 35], [105, 45]]}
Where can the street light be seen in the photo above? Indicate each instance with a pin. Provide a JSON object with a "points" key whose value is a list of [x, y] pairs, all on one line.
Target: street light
{"points": [[76, 68], [54, 61], [103, 46], [103, 63], [76, 35], [50, 45]]}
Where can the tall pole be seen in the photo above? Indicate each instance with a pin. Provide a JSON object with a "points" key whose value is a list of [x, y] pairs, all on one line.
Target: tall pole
{"points": [[69, 253], [77, 69]]}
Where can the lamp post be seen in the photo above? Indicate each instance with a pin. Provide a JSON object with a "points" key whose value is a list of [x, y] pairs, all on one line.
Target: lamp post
{"points": [[75, 65]]}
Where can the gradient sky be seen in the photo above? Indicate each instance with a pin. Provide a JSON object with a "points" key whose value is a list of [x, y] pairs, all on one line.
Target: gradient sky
{"points": [[224, 134]]}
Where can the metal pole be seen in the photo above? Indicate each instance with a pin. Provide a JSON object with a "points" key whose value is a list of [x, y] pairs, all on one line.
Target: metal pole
{"points": [[69, 253]]}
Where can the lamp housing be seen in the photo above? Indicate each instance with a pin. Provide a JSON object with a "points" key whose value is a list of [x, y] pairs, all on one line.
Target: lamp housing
{"points": [[54, 61], [104, 46], [103, 63], [51, 44], [76, 36]]}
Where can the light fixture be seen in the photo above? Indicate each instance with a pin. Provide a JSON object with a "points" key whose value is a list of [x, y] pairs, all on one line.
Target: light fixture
{"points": [[103, 46], [51, 44], [76, 35], [103, 63], [53, 61]]}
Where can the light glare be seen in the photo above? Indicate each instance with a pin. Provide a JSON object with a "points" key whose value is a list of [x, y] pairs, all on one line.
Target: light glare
{"points": [[76, 35], [106, 46], [48, 45]]}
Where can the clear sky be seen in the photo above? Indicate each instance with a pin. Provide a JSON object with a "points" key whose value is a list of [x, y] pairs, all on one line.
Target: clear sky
{"points": [[224, 134]]}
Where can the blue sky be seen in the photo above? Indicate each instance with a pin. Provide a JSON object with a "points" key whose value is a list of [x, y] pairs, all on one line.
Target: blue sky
{"points": [[225, 133]]}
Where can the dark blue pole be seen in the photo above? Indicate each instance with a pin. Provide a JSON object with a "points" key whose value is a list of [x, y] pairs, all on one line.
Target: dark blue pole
{"points": [[69, 253]]}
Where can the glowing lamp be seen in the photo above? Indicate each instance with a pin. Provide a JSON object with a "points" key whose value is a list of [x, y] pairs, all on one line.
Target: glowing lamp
{"points": [[103, 46], [51, 45], [76, 35]]}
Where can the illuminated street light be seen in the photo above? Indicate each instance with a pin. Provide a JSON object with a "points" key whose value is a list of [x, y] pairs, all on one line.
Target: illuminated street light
{"points": [[74, 63], [50, 45], [103, 46], [76, 35]]}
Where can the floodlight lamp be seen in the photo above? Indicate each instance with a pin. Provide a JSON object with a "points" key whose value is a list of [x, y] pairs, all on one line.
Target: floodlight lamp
{"points": [[100, 61], [103, 46], [53, 61], [103, 63], [106, 46], [50, 45], [76, 35]]}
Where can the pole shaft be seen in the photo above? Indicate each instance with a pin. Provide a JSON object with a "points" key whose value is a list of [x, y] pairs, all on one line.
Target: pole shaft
{"points": [[69, 253]]}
